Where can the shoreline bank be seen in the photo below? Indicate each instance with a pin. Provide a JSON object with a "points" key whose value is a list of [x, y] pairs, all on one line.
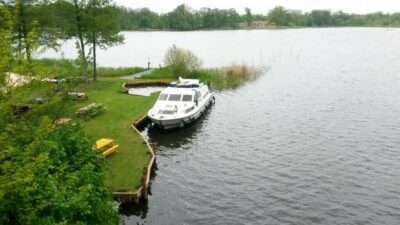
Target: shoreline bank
{"points": [[143, 190]]}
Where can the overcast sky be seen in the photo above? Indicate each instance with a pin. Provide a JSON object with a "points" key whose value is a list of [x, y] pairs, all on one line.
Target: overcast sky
{"points": [[263, 6]]}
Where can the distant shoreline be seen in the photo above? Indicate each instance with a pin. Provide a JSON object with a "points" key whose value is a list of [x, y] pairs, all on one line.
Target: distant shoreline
{"points": [[258, 28]]}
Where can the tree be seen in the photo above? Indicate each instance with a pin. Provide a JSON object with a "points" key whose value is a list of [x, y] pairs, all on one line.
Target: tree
{"points": [[320, 17], [94, 23], [6, 28], [26, 22], [296, 18], [181, 61], [248, 16], [51, 176], [22, 26], [80, 16], [181, 18], [73, 20], [279, 16], [104, 29], [216, 18], [48, 174]]}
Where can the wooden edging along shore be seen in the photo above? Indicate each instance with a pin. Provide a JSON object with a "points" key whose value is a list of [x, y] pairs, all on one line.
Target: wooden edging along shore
{"points": [[146, 83], [142, 192]]}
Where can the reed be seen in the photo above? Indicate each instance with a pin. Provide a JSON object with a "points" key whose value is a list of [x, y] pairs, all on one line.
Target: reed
{"points": [[227, 77]]}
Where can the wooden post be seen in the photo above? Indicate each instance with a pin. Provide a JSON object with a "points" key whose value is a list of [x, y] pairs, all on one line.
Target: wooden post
{"points": [[145, 188]]}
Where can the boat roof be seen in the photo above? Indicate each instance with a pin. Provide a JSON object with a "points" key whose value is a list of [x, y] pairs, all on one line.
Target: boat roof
{"points": [[174, 90]]}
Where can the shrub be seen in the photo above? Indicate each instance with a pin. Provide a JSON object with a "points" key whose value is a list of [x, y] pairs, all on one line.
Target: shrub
{"points": [[51, 175], [181, 61], [228, 77]]}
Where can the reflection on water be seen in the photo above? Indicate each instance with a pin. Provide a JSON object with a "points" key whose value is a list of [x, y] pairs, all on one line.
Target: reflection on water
{"points": [[174, 138], [132, 209]]}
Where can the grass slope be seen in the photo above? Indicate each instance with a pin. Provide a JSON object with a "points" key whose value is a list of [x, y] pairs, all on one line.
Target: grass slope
{"points": [[128, 165]]}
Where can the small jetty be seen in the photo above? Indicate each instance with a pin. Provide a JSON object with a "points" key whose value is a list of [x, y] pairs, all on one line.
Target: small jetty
{"points": [[137, 75]]}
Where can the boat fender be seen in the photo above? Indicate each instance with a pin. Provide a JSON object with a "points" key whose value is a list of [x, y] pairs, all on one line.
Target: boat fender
{"points": [[181, 124]]}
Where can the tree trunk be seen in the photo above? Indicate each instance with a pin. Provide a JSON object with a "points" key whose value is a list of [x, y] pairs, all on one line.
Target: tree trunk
{"points": [[24, 36], [20, 31], [81, 41], [94, 39], [19, 51], [94, 57]]}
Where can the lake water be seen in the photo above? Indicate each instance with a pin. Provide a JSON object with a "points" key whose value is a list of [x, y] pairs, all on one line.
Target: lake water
{"points": [[315, 140]]}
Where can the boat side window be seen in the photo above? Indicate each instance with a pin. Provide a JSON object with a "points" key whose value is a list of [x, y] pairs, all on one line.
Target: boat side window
{"points": [[163, 97], [187, 98], [175, 98]]}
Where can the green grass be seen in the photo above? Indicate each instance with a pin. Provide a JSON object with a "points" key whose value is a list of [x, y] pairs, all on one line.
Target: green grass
{"points": [[128, 165], [161, 73]]}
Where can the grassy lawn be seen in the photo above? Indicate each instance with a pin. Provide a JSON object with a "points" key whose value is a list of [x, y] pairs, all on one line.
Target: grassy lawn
{"points": [[128, 165]]}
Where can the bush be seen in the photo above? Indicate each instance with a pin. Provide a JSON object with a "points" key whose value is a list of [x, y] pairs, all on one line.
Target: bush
{"points": [[51, 175], [182, 62]]}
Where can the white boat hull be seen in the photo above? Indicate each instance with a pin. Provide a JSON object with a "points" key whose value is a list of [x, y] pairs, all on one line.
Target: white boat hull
{"points": [[169, 123]]}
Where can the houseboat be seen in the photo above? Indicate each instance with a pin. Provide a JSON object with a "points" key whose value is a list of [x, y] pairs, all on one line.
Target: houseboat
{"points": [[180, 104]]}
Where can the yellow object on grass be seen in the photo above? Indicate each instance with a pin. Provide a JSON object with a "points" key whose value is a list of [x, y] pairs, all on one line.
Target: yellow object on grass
{"points": [[108, 145], [104, 142]]}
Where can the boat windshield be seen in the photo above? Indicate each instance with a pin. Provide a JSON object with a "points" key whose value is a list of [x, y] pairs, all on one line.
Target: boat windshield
{"points": [[175, 98], [163, 97], [187, 98]]}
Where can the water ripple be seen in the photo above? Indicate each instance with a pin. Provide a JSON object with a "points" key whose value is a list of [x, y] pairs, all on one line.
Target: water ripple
{"points": [[314, 141]]}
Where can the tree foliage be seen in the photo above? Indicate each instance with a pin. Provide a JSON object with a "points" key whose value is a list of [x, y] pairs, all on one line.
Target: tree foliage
{"points": [[279, 16], [94, 23], [104, 29], [185, 18], [248, 17], [181, 61], [181, 18], [49, 174], [5, 44], [29, 28]]}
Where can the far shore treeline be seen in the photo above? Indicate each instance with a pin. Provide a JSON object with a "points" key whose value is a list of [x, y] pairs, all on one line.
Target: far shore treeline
{"points": [[49, 171], [184, 17]]}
